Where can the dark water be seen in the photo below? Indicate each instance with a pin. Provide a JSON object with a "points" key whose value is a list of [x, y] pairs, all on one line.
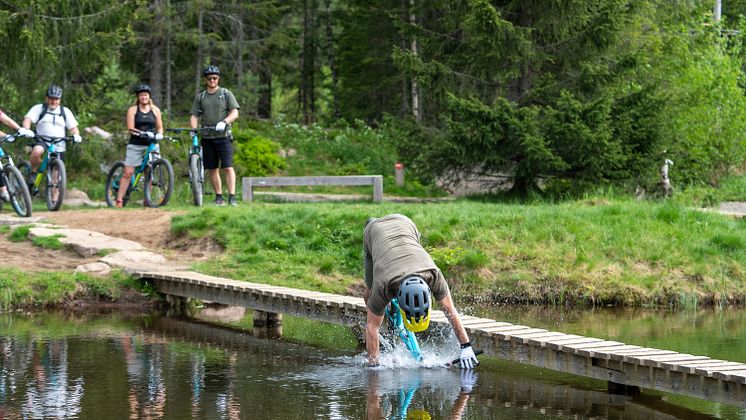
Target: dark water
{"points": [[119, 366]]}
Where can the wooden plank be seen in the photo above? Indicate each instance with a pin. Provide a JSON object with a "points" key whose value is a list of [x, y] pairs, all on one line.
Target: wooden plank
{"points": [[583, 340], [539, 338], [560, 338], [486, 324], [738, 376], [294, 181], [609, 353], [602, 352], [574, 348], [507, 335], [658, 361], [642, 355], [502, 328]]}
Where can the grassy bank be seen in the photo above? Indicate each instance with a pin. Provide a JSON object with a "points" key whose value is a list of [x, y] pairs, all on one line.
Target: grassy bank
{"points": [[583, 252]]}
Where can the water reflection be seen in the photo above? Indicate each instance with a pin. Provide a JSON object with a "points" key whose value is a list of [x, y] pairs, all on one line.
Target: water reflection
{"points": [[152, 368]]}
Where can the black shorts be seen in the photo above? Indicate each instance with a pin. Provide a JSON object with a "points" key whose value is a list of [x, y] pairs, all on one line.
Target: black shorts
{"points": [[45, 146], [217, 153]]}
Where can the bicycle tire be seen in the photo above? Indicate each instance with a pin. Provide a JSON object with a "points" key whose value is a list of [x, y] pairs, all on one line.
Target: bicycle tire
{"points": [[113, 179], [159, 183], [196, 179], [55, 190], [20, 199]]}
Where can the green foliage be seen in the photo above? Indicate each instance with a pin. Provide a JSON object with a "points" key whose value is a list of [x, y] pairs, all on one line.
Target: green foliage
{"points": [[18, 289], [20, 233], [48, 242], [256, 155]]}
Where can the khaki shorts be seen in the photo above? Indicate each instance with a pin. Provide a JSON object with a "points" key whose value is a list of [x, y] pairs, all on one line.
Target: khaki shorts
{"points": [[135, 152]]}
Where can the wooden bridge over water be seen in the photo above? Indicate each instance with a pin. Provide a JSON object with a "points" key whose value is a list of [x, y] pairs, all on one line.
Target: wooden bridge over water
{"points": [[621, 365]]}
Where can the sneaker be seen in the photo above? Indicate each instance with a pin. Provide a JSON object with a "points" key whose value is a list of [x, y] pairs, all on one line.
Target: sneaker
{"points": [[5, 197], [219, 201], [232, 201]]}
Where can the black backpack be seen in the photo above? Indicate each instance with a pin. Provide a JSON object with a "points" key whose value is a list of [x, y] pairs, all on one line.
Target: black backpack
{"points": [[44, 112]]}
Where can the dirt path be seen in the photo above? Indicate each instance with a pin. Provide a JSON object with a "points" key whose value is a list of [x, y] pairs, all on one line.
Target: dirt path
{"points": [[149, 227]]}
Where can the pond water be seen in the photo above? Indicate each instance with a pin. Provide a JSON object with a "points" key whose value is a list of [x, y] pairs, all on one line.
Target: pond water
{"points": [[96, 366]]}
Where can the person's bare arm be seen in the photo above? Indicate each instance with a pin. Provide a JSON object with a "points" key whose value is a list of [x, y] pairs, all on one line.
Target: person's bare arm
{"points": [[232, 116], [372, 326], [449, 309]]}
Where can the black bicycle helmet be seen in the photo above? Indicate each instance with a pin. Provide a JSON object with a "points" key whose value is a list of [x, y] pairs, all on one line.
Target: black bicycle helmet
{"points": [[142, 87], [211, 70], [414, 302], [54, 91]]}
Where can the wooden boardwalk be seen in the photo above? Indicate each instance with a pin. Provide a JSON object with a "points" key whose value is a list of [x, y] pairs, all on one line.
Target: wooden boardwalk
{"points": [[617, 363]]}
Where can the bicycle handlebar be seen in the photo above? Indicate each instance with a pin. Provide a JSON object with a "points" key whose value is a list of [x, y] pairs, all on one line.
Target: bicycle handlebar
{"points": [[186, 129]]}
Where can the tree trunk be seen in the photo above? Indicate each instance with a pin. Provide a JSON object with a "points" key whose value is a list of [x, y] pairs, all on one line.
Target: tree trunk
{"points": [[405, 89], [264, 103], [416, 110], [169, 61], [198, 60], [330, 59], [308, 98], [156, 53]]}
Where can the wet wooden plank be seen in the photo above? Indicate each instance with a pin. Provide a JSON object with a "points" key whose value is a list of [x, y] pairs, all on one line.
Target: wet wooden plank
{"points": [[583, 340]]}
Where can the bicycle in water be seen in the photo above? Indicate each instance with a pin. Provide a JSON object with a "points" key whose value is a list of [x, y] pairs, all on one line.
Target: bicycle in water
{"points": [[156, 172], [20, 198]]}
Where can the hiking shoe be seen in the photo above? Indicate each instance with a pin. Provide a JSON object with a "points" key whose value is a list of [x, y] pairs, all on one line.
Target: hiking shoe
{"points": [[219, 201], [232, 201], [5, 197]]}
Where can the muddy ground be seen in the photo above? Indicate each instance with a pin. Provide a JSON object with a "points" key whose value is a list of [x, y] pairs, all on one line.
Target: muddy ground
{"points": [[149, 227]]}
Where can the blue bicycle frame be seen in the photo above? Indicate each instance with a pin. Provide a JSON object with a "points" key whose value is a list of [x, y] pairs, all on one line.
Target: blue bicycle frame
{"points": [[393, 314], [146, 159], [50, 153]]}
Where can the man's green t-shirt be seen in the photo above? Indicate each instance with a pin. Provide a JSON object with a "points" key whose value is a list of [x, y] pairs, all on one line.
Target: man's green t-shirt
{"points": [[212, 108]]}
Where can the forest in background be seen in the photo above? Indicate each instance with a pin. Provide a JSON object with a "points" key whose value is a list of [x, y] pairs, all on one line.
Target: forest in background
{"points": [[564, 95]]}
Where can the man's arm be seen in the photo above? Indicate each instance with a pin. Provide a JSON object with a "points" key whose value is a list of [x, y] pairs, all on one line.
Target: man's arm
{"points": [[193, 121], [450, 312], [232, 116], [371, 336]]}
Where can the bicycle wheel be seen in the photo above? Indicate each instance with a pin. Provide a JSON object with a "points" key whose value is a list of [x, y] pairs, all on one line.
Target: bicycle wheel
{"points": [[20, 198], [196, 178], [112, 184], [56, 182], [159, 183]]}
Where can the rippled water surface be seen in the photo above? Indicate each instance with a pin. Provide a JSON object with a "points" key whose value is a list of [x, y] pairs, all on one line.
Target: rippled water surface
{"points": [[144, 366]]}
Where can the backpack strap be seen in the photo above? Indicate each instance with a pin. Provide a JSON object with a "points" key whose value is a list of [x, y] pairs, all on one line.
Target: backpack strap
{"points": [[223, 95], [44, 110]]}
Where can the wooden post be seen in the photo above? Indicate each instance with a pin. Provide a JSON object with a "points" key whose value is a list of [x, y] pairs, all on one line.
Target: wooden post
{"points": [[378, 189], [267, 324], [247, 189]]}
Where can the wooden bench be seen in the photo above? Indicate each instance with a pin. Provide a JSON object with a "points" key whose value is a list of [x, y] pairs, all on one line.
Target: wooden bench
{"points": [[249, 183]]}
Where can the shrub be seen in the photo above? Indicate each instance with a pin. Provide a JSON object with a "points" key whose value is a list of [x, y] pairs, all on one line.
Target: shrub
{"points": [[256, 155]]}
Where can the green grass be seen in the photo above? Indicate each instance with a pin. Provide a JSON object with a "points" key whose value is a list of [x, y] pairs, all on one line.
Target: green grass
{"points": [[48, 242], [19, 289], [600, 251]]}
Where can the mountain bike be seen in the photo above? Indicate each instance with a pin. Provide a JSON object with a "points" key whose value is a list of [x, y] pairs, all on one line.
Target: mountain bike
{"points": [[158, 178], [20, 199], [196, 168], [396, 325], [52, 171]]}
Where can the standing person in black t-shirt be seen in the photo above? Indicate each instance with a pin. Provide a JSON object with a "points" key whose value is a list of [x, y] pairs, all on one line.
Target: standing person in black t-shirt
{"points": [[216, 107], [145, 125]]}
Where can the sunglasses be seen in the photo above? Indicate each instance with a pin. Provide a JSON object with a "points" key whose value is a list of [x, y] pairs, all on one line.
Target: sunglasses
{"points": [[212, 78]]}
